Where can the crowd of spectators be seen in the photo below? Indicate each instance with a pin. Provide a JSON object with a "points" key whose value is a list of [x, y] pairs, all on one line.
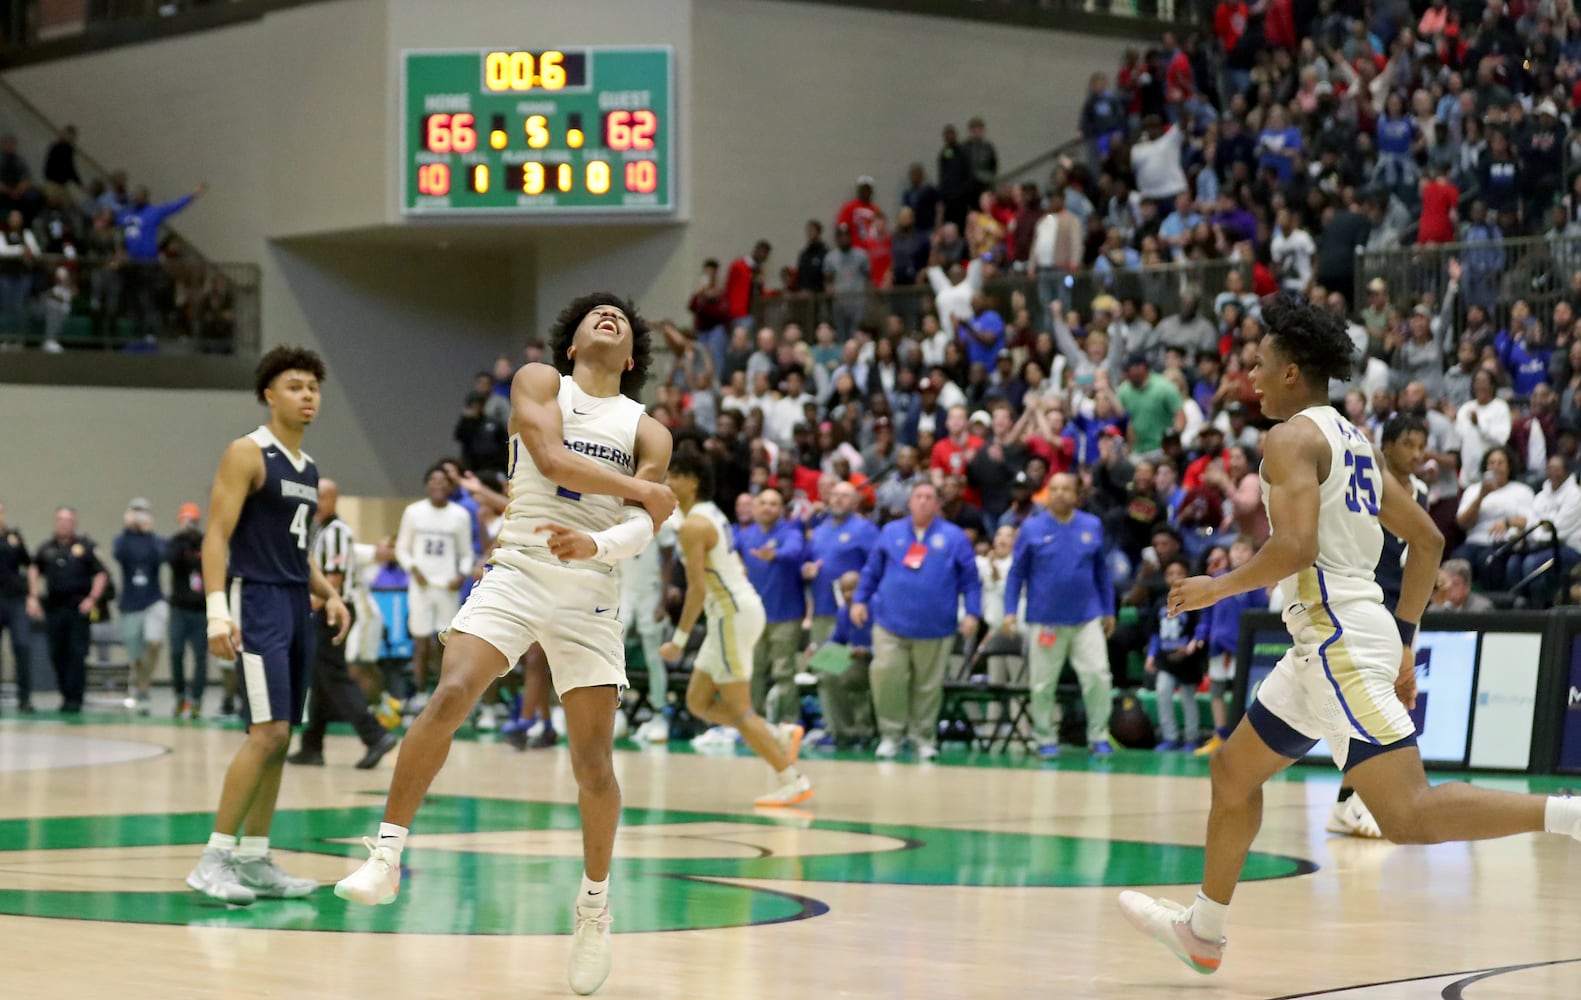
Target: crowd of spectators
{"points": [[1406, 168], [90, 262]]}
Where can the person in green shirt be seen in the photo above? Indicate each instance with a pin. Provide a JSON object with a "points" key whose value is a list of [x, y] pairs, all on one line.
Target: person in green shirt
{"points": [[1153, 404]]}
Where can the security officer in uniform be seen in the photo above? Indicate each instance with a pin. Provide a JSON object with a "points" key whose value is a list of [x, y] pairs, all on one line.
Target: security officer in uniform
{"points": [[74, 581], [16, 607]]}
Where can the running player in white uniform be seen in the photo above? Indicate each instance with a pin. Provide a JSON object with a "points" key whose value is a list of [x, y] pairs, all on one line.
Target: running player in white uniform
{"points": [[580, 445], [434, 545], [1350, 676], [720, 690]]}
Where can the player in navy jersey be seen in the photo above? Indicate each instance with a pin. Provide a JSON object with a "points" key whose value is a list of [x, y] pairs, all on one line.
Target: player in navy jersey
{"points": [[259, 580]]}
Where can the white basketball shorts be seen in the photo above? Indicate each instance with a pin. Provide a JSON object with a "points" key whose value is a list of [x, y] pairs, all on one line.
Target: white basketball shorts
{"points": [[1336, 683], [726, 652], [571, 609]]}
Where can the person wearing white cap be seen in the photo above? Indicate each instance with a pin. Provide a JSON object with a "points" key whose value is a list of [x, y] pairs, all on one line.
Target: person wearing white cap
{"points": [[145, 616]]}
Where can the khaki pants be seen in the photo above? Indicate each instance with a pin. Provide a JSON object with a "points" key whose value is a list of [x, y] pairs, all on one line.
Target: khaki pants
{"points": [[908, 685], [847, 700], [1087, 649], [774, 662]]}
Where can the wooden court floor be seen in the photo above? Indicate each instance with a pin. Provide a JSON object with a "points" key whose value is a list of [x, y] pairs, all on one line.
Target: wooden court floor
{"points": [[965, 879]]}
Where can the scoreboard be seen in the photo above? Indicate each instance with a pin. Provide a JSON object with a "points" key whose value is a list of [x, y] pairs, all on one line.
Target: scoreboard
{"points": [[538, 131]]}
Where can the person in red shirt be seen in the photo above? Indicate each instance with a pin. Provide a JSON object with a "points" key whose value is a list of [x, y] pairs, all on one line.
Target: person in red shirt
{"points": [[1440, 200], [1229, 22], [1210, 449], [869, 228], [744, 281], [952, 453]]}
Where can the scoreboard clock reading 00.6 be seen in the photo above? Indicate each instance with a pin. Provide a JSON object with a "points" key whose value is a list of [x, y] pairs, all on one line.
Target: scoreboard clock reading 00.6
{"points": [[538, 131]]}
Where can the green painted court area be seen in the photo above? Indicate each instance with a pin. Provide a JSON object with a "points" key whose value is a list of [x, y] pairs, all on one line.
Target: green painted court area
{"points": [[452, 890]]}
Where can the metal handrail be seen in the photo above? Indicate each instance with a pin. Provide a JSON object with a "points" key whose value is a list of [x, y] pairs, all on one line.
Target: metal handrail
{"points": [[1508, 546]]}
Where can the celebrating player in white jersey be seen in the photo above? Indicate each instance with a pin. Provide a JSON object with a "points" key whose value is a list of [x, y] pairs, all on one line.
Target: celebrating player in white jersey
{"points": [[720, 690], [433, 545], [580, 446], [1350, 676]]}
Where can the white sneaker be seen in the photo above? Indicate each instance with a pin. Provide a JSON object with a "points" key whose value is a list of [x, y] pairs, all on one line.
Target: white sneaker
{"points": [[1169, 923], [53, 347], [377, 882], [415, 704], [716, 738], [488, 721], [799, 789], [268, 881], [927, 753], [888, 749], [655, 730], [216, 877], [1352, 818], [590, 957]]}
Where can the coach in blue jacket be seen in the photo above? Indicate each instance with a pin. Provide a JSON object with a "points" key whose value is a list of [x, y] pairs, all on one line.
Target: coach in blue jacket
{"points": [[920, 570], [1059, 559], [771, 549], [840, 545]]}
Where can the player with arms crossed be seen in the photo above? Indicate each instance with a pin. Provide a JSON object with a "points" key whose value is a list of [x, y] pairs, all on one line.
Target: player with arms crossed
{"points": [[580, 445], [260, 513], [720, 689], [1350, 676]]}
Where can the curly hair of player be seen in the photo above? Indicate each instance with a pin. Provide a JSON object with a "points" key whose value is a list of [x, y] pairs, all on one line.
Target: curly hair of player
{"points": [[687, 460], [285, 358], [564, 331], [1311, 337]]}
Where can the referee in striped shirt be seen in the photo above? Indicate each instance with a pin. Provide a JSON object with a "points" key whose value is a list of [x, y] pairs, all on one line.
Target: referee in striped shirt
{"points": [[334, 694]]}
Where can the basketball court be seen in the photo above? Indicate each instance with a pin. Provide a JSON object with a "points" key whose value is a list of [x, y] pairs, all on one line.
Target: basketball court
{"points": [[976, 877]]}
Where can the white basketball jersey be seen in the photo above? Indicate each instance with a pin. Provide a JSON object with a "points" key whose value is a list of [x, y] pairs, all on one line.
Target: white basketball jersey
{"points": [[601, 428], [1350, 539], [729, 590]]}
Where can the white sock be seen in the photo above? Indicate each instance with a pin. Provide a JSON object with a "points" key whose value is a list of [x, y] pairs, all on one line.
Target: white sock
{"points": [[594, 895], [1207, 918], [253, 847], [1562, 815], [392, 837], [222, 842], [789, 775]]}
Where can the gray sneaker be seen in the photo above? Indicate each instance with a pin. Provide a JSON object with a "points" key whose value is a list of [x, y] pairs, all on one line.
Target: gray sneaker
{"points": [[217, 877], [265, 879]]}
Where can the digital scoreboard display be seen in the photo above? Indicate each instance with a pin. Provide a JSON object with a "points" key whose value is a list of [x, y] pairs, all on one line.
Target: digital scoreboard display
{"points": [[538, 130]]}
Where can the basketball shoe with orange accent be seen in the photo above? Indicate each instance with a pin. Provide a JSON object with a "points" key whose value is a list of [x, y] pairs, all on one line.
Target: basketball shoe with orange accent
{"points": [[798, 789], [1169, 923]]}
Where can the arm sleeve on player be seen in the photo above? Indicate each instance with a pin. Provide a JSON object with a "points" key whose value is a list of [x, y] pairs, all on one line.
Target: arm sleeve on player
{"points": [[463, 538], [626, 539]]}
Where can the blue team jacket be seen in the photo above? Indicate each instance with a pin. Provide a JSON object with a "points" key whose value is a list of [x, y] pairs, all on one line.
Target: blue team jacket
{"points": [[779, 582], [842, 548], [140, 227], [921, 603], [1224, 620], [849, 635], [1064, 571]]}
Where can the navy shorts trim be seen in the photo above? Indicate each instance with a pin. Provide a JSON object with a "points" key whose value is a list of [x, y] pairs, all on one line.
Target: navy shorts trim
{"points": [[276, 663], [1361, 752], [1281, 738]]}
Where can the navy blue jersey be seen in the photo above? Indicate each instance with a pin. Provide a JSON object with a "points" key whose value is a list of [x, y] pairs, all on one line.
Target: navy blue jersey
{"points": [[1390, 573], [270, 543]]}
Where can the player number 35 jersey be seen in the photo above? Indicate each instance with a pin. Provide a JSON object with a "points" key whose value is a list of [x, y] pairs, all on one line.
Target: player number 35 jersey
{"points": [[1350, 538], [600, 428]]}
